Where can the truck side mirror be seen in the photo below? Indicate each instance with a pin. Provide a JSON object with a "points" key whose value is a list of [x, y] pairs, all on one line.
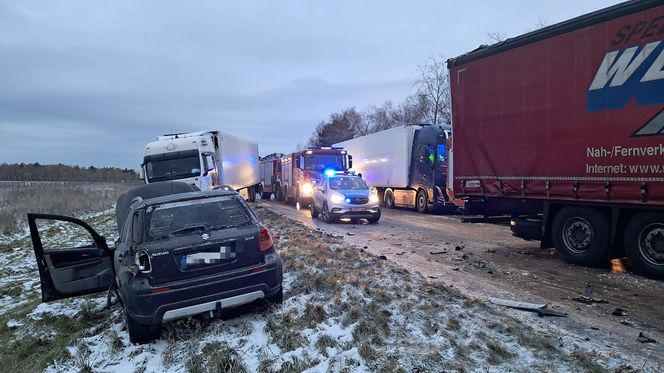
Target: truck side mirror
{"points": [[350, 161], [208, 163], [141, 173]]}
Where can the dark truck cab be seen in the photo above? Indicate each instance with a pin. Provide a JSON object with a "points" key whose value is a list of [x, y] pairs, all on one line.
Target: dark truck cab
{"points": [[177, 255]]}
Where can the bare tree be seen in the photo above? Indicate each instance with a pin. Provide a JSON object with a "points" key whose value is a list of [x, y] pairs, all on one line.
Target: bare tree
{"points": [[496, 36], [341, 126], [433, 87]]}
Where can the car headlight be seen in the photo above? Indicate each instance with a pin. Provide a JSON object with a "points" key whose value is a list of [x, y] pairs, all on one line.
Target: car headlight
{"points": [[373, 198], [307, 189], [336, 198]]}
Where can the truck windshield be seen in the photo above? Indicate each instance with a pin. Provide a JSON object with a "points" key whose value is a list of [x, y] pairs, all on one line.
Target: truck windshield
{"points": [[173, 167], [199, 216], [346, 182], [320, 162]]}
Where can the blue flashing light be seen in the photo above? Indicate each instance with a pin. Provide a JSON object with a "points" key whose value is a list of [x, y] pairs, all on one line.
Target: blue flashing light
{"points": [[347, 200], [329, 172]]}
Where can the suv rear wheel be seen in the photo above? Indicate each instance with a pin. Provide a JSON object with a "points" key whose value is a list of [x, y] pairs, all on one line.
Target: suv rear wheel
{"points": [[327, 217], [139, 333]]}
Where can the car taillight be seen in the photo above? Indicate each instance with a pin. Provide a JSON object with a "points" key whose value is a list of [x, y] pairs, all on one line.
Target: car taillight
{"points": [[265, 239], [142, 260]]}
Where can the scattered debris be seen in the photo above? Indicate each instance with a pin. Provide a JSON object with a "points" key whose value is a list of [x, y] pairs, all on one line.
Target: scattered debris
{"points": [[541, 309], [382, 257], [589, 291], [619, 312], [626, 323], [594, 328], [437, 252], [492, 251], [458, 248], [645, 339], [350, 233], [586, 300], [401, 253]]}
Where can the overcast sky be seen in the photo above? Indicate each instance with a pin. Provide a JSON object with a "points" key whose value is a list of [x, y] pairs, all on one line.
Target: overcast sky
{"points": [[91, 82]]}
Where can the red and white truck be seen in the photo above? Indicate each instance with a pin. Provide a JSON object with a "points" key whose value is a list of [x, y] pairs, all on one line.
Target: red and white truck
{"points": [[302, 169], [563, 128]]}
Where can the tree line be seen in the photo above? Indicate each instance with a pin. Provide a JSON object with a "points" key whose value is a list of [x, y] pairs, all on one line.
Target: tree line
{"points": [[429, 104], [62, 172]]}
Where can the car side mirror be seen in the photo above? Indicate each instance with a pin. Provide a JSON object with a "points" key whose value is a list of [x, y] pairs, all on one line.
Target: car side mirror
{"points": [[350, 161]]}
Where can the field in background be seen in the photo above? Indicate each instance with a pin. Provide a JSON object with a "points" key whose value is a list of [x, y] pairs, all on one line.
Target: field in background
{"points": [[17, 198]]}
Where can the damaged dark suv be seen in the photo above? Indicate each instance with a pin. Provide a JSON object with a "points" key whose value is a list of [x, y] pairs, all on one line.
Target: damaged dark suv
{"points": [[180, 252]]}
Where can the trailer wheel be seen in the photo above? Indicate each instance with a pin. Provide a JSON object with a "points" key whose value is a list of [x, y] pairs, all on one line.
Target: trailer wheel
{"points": [[644, 243], [581, 236], [389, 199], [422, 202]]}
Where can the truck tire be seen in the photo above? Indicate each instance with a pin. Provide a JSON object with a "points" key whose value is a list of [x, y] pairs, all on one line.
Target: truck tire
{"points": [[389, 199], [313, 209], [285, 192], [422, 202], [644, 243], [581, 236], [278, 195], [266, 196], [139, 333]]}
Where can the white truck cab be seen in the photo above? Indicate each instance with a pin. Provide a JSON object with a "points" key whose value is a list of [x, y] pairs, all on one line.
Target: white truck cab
{"points": [[206, 159]]}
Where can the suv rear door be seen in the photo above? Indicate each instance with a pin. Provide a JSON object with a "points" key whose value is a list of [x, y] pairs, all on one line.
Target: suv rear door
{"points": [[65, 272]]}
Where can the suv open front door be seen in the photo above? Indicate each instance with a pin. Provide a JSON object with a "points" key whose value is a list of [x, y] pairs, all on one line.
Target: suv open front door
{"points": [[70, 271]]}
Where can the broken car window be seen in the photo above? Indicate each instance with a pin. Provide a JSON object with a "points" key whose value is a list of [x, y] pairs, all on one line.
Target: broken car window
{"points": [[182, 218]]}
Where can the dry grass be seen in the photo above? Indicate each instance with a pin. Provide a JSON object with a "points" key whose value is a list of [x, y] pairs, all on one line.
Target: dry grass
{"points": [[17, 198]]}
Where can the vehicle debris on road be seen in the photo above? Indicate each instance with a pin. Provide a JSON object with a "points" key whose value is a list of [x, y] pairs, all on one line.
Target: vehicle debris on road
{"points": [[540, 309]]}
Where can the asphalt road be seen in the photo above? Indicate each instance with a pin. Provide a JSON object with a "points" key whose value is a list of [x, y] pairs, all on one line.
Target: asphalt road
{"points": [[484, 260]]}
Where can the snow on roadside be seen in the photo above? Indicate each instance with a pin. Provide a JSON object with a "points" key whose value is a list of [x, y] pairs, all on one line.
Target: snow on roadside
{"points": [[344, 310]]}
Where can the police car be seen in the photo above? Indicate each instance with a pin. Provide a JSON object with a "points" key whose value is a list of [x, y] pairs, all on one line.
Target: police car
{"points": [[344, 195]]}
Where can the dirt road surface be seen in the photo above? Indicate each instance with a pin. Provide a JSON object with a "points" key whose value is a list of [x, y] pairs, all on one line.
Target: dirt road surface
{"points": [[484, 260]]}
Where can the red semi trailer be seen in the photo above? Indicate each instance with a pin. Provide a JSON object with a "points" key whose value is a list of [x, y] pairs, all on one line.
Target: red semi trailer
{"points": [[563, 128]]}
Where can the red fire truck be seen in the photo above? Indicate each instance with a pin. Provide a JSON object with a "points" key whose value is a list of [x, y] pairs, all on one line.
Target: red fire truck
{"points": [[564, 128], [270, 175], [302, 169]]}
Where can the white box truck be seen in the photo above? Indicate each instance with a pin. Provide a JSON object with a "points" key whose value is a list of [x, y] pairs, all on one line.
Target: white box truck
{"points": [[206, 159], [407, 165]]}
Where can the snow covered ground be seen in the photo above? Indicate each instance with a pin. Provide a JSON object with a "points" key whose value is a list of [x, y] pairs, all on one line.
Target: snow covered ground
{"points": [[344, 310]]}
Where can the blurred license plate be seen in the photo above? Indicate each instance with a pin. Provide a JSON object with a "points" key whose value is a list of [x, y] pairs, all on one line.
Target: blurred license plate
{"points": [[224, 253], [357, 209]]}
